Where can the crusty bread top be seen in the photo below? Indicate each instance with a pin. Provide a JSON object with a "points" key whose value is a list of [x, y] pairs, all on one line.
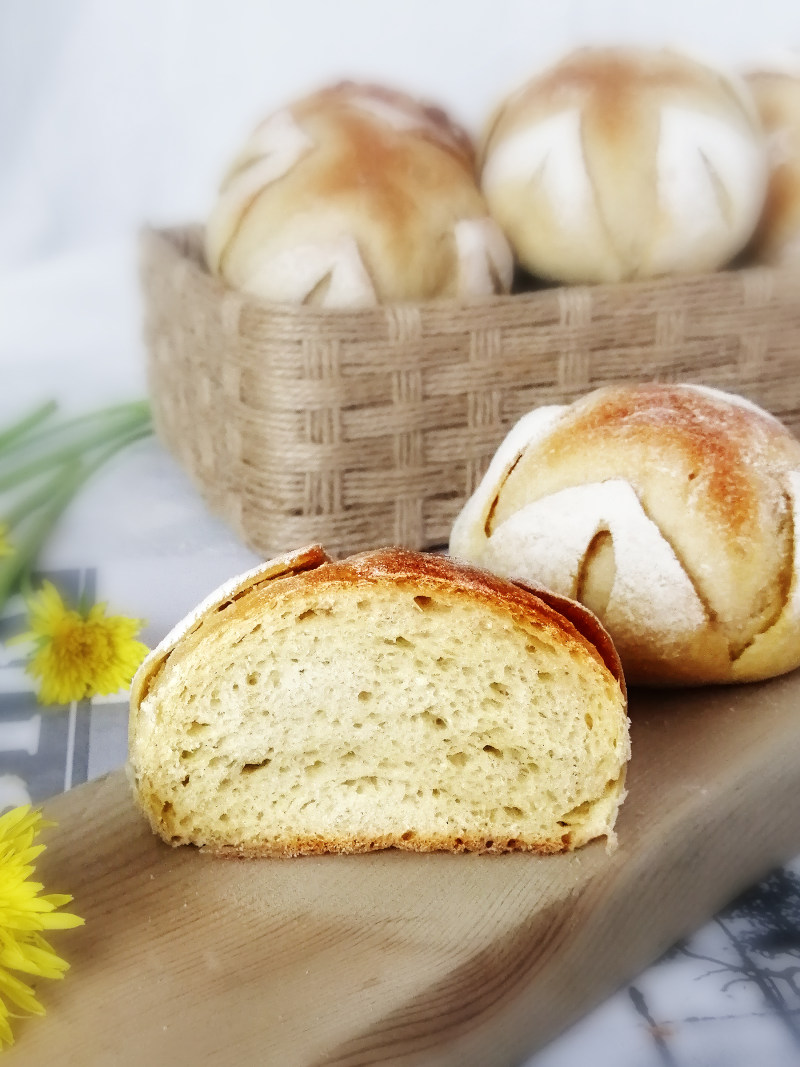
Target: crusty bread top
{"points": [[670, 509], [612, 85], [734, 444], [708, 468], [550, 610], [571, 622], [427, 120], [381, 150], [624, 163], [222, 597]]}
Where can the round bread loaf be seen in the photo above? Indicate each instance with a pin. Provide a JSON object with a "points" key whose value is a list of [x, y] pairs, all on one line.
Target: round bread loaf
{"points": [[618, 164], [354, 196], [777, 96], [672, 512]]}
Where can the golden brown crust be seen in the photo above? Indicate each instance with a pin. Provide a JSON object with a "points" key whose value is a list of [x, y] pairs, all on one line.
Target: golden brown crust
{"points": [[612, 86], [435, 123], [303, 559], [408, 841], [560, 615], [379, 167], [715, 438], [465, 843]]}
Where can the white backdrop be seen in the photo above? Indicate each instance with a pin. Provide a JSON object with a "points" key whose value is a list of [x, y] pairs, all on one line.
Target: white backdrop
{"points": [[115, 112], [119, 112]]}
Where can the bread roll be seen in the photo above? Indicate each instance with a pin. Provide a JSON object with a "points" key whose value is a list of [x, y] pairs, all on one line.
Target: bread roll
{"points": [[670, 511], [392, 699], [353, 196], [618, 164], [777, 96]]}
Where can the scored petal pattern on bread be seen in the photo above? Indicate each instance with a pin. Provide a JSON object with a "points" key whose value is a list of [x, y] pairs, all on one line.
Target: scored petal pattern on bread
{"points": [[668, 510], [472, 524], [368, 181], [625, 163], [552, 153], [670, 613], [326, 273], [392, 699], [272, 150], [696, 153], [486, 264]]}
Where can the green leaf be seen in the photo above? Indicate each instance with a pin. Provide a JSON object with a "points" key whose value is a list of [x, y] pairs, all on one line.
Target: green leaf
{"points": [[101, 435]]}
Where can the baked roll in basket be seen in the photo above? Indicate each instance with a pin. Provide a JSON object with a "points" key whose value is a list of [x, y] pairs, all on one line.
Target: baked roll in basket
{"points": [[353, 196], [625, 163]]}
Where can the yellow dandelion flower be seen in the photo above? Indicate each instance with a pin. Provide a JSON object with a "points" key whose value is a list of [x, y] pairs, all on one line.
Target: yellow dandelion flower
{"points": [[79, 655], [6, 548], [24, 913]]}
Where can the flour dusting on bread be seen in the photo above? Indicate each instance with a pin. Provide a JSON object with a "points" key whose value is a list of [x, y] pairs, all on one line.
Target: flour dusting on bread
{"points": [[700, 546]]}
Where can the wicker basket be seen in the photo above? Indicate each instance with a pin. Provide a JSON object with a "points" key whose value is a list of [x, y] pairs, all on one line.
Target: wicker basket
{"points": [[369, 427]]}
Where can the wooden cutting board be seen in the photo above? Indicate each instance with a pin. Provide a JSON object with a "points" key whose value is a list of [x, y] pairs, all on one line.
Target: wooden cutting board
{"points": [[402, 958]]}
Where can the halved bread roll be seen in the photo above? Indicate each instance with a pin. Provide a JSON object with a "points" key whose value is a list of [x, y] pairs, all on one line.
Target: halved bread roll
{"points": [[390, 699], [671, 511]]}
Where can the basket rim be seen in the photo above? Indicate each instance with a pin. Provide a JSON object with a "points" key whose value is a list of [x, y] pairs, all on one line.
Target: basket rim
{"points": [[172, 238]]}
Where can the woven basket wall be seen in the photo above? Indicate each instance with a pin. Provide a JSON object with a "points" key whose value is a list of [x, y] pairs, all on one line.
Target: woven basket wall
{"points": [[370, 427]]}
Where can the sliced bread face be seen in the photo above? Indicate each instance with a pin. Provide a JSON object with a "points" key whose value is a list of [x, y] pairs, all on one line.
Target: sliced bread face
{"points": [[392, 699]]}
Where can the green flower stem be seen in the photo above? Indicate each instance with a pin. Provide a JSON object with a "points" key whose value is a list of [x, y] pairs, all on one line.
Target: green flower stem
{"points": [[42, 495], [16, 569], [135, 434], [19, 431], [72, 474], [134, 411], [44, 463]]}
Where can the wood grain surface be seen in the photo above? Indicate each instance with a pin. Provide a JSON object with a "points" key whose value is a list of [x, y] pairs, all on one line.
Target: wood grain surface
{"points": [[398, 958]]}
